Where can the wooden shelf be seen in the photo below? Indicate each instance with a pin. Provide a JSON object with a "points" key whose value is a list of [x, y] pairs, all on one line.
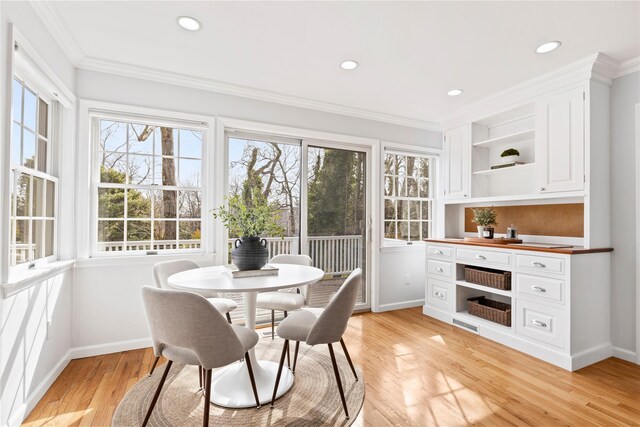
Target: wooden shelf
{"points": [[465, 316], [574, 195], [507, 139], [507, 170], [483, 288]]}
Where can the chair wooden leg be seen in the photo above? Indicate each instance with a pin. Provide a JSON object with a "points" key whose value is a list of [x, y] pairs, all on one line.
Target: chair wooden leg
{"points": [[288, 357], [285, 348], [229, 318], [207, 397], [273, 324], [153, 367], [155, 397], [253, 380], [346, 353], [295, 357], [335, 371]]}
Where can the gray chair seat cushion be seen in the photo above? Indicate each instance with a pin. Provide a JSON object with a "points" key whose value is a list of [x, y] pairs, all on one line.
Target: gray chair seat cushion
{"points": [[285, 301], [223, 305], [248, 337], [297, 325], [180, 355]]}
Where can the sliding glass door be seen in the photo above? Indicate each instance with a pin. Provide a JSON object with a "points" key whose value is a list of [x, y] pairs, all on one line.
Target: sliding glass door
{"points": [[336, 218], [321, 189]]}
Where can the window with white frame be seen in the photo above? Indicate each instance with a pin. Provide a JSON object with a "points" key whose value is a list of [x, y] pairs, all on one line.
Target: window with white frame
{"points": [[408, 197], [33, 187], [148, 186]]}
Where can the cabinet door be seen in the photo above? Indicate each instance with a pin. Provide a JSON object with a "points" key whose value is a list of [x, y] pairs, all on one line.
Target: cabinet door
{"points": [[560, 142], [457, 170]]}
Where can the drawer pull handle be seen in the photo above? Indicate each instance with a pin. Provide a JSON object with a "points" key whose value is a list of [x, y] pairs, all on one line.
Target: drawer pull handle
{"points": [[439, 294], [538, 264], [439, 252], [481, 257], [538, 289], [540, 323], [439, 269]]}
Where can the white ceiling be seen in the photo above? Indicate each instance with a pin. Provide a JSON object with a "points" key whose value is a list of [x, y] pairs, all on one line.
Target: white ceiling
{"points": [[410, 53]]}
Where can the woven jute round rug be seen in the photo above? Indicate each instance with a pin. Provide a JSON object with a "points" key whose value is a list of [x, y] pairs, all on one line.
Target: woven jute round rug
{"points": [[313, 400]]}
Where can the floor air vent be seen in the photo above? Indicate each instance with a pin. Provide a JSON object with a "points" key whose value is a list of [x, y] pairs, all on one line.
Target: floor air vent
{"points": [[465, 325]]}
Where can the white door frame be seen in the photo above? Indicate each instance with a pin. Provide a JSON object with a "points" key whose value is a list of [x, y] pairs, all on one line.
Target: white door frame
{"points": [[339, 140], [638, 233]]}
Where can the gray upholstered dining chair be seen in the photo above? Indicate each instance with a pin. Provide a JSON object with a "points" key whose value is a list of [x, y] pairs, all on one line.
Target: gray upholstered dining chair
{"points": [[162, 271], [322, 327], [185, 328], [285, 299]]}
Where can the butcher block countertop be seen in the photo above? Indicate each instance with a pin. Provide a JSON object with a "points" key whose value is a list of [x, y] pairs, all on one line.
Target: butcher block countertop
{"points": [[574, 250]]}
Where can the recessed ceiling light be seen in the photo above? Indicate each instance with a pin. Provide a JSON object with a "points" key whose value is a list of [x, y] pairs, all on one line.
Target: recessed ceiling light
{"points": [[189, 23], [548, 47], [455, 92], [349, 65]]}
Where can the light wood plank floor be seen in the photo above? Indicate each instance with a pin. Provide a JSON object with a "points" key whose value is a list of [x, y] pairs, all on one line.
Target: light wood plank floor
{"points": [[418, 372]]}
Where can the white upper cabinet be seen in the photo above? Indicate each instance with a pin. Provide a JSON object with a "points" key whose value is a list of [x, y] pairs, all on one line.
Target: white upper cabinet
{"points": [[457, 165], [559, 142]]}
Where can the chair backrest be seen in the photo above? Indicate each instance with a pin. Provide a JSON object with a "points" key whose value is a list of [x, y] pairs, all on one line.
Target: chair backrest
{"points": [[185, 320], [333, 321], [162, 271], [297, 260], [292, 259]]}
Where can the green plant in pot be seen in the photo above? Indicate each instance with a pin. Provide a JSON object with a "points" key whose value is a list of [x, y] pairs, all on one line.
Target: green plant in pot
{"points": [[510, 155], [250, 218], [485, 218]]}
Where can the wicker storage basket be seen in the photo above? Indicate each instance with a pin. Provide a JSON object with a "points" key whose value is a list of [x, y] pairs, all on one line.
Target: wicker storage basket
{"points": [[492, 278], [494, 311]]}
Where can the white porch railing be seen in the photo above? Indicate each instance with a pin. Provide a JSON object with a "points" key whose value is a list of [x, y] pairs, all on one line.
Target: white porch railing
{"points": [[333, 254], [158, 245]]}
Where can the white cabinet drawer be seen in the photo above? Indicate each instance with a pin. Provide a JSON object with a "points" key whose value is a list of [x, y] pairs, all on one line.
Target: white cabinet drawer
{"points": [[440, 294], [436, 251], [484, 257], [541, 323], [539, 264], [544, 288], [439, 268]]}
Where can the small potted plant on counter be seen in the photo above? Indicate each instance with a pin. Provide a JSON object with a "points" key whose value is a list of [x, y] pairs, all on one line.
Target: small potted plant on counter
{"points": [[249, 218], [485, 218], [510, 155]]}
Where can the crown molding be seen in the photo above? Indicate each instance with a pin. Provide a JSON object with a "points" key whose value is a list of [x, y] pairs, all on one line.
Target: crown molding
{"points": [[598, 67], [53, 21], [627, 67], [185, 80]]}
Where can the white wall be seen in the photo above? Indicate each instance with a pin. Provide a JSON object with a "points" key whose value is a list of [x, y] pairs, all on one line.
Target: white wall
{"points": [[399, 265], [108, 312], [625, 94], [36, 338], [31, 359]]}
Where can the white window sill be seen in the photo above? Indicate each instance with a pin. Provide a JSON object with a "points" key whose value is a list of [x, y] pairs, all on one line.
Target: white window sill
{"points": [[124, 260], [391, 246], [25, 279]]}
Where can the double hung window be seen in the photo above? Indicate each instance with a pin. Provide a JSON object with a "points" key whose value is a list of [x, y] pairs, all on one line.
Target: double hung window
{"points": [[33, 194], [148, 186], [408, 197]]}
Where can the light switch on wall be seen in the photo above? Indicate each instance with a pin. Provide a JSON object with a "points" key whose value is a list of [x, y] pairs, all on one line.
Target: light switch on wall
{"points": [[407, 279]]}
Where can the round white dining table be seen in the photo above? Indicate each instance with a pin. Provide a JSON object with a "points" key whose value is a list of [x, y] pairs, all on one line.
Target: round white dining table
{"points": [[231, 386]]}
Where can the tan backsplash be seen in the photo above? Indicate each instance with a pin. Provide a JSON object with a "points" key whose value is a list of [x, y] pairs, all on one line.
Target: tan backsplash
{"points": [[564, 220]]}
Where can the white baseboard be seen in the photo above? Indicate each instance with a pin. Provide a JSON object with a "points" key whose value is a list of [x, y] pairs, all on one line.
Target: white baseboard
{"points": [[114, 347], [400, 305], [624, 354], [591, 356], [32, 400]]}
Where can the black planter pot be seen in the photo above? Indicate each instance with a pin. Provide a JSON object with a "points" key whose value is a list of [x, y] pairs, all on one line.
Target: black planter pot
{"points": [[250, 253]]}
